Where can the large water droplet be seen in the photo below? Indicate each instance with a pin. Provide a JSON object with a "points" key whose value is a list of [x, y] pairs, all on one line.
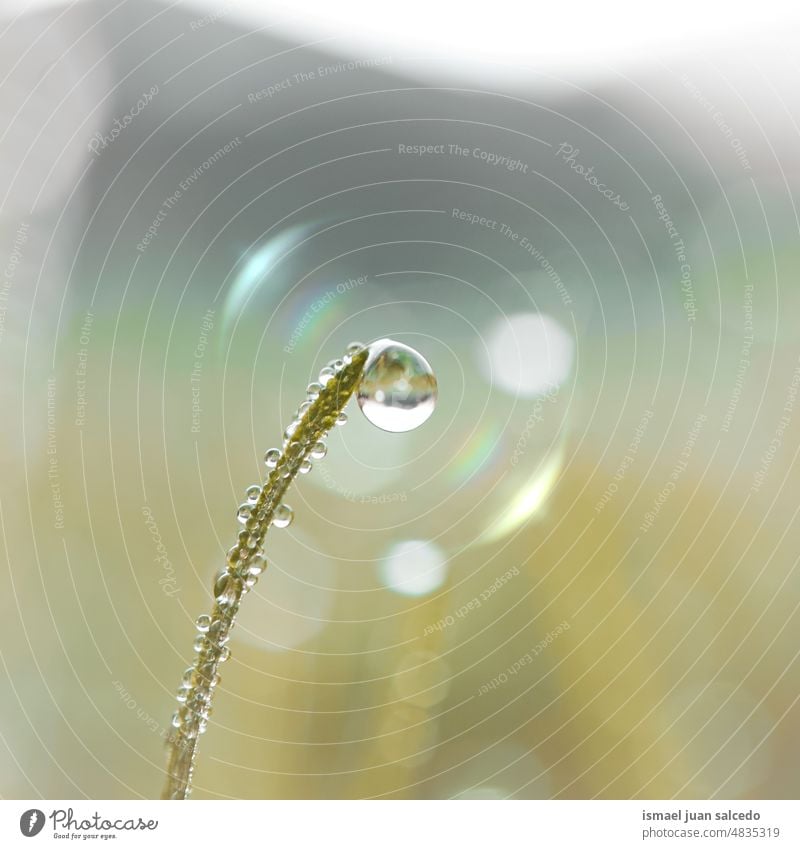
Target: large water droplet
{"points": [[283, 515], [256, 564], [398, 390], [225, 588]]}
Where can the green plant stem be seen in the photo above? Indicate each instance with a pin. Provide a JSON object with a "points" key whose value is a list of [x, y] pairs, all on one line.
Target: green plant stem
{"points": [[234, 581]]}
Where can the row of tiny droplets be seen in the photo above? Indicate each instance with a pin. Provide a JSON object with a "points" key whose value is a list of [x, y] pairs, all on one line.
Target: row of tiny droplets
{"points": [[303, 440]]}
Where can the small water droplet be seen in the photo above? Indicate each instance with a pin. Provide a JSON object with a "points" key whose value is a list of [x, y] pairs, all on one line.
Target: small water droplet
{"points": [[271, 458], [341, 419], [244, 512], [313, 390], [253, 493], [305, 467], [225, 588], [398, 390], [290, 429], [319, 450], [283, 515], [355, 348], [203, 623], [224, 654], [176, 720], [257, 564], [199, 643], [326, 374], [199, 698]]}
